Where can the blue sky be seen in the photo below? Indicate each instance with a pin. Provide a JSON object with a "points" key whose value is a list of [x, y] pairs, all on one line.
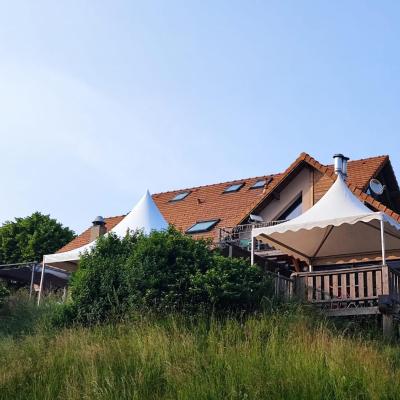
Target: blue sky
{"points": [[100, 100]]}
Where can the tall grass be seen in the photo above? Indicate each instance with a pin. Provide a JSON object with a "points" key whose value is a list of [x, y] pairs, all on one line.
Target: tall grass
{"points": [[20, 316], [282, 356]]}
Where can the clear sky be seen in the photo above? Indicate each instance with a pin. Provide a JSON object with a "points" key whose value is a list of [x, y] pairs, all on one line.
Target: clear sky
{"points": [[100, 100]]}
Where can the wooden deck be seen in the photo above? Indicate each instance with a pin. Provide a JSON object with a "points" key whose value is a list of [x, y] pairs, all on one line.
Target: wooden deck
{"points": [[367, 290]]}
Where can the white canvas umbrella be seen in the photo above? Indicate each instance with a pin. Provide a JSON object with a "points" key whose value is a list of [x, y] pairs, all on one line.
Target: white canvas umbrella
{"points": [[144, 216], [338, 227]]}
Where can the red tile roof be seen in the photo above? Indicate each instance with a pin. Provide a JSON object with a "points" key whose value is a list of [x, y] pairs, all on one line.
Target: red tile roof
{"points": [[209, 202], [84, 237]]}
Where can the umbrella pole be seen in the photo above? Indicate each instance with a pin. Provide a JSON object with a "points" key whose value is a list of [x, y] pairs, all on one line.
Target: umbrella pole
{"points": [[32, 277], [41, 283], [387, 318], [383, 243], [252, 250]]}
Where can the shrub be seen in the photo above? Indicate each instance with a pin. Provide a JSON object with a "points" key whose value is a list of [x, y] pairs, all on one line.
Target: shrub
{"points": [[162, 272], [233, 284], [98, 289]]}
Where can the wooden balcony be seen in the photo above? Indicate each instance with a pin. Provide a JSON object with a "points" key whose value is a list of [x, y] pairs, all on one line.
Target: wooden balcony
{"points": [[353, 291], [368, 290]]}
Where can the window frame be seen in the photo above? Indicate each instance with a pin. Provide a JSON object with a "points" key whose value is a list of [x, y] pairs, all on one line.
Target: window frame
{"points": [[174, 199], [297, 201], [267, 180], [259, 186], [209, 228], [239, 186]]}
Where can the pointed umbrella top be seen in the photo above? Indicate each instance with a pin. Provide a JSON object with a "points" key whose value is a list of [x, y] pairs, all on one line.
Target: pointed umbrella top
{"points": [[338, 226], [145, 215], [339, 205]]}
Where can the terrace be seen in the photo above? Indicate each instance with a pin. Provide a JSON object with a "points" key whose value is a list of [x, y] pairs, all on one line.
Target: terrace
{"points": [[340, 254]]}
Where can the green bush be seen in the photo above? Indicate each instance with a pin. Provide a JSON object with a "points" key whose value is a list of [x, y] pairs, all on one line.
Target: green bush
{"points": [[99, 288], [162, 272], [233, 284]]}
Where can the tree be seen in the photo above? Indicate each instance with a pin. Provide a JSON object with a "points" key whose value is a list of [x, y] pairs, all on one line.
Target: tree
{"points": [[28, 239]]}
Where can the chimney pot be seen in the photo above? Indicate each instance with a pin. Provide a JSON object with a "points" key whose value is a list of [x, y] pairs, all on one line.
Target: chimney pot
{"points": [[340, 165], [98, 228], [99, 220]]}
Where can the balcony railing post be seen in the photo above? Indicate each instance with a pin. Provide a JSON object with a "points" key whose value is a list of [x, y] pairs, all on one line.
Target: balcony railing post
{"points": [[385, 280], [299, 286]]}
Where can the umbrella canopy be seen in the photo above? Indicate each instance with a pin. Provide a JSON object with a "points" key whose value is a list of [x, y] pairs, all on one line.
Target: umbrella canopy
{"points": [[339, 228], [145, 216]]}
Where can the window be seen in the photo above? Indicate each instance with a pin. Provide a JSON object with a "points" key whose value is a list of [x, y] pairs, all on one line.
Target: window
{"points": [[233, 188], [259, 184], [293, 211], [203, 226], [180, 196]]}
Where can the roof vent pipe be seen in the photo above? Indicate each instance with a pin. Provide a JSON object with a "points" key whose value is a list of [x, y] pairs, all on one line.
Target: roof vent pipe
{"points": [[341, 165]]}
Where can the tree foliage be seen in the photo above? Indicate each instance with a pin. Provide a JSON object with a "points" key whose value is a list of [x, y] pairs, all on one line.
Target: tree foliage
{"points": [[29, 238], [163, 272]]}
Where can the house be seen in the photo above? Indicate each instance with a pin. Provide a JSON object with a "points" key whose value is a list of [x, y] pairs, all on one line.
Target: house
{"points": [[226, 212], [353, 274]]}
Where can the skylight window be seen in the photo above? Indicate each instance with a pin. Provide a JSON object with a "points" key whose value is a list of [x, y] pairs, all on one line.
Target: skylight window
{"points": [[259, 184], [180, 196], [233, 188], [203, 226]]}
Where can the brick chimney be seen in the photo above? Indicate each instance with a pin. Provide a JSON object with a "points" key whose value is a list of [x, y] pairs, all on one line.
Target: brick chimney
{"points": [[98, 228]]}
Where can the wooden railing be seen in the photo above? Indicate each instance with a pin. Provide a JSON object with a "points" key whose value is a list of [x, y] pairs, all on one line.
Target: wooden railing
{"points": [[394, 284], [361, 285], [341, 285], [283, 286]]}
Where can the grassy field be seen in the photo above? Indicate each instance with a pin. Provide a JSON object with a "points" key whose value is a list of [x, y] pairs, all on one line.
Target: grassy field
{"points": [[290, 356]]}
